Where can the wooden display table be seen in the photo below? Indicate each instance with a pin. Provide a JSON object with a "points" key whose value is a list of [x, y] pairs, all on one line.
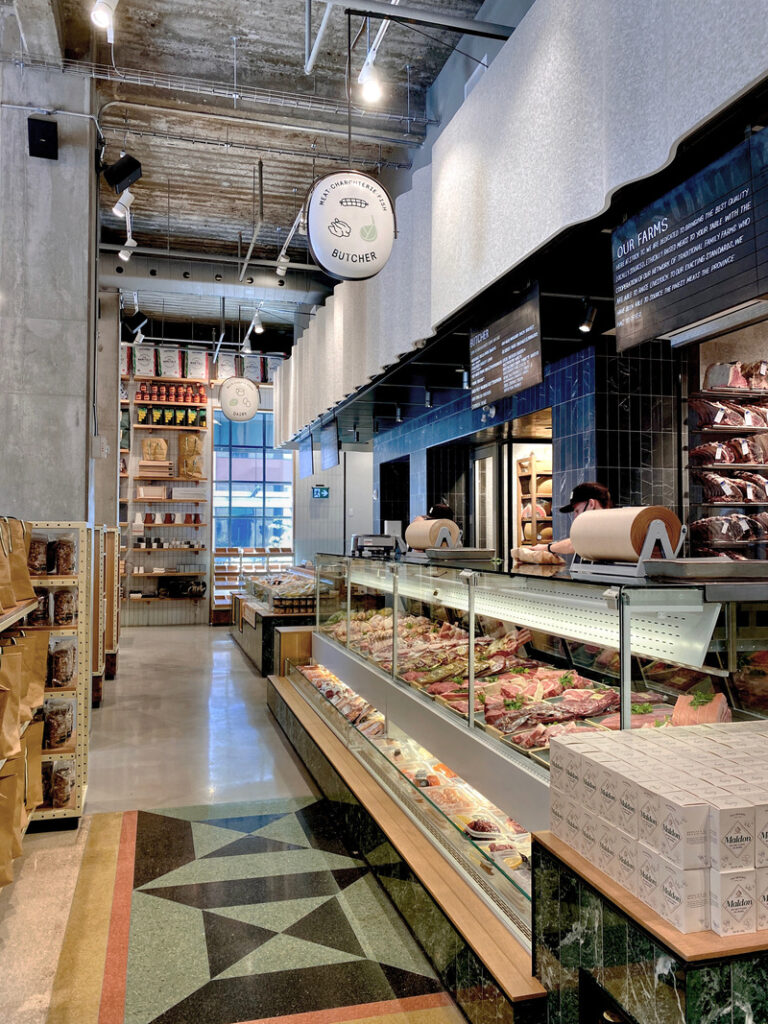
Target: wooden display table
{"points": [[254, 630], [597, 945]]}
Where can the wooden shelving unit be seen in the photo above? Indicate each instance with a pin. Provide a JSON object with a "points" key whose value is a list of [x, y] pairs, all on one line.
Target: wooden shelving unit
{"points": [[81, 630], [134, 579], [532, 473], [112, 583]]}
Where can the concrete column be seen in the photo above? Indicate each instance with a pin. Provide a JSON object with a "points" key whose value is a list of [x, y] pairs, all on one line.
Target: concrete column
{"points": [[105, 480], [47, 225]]}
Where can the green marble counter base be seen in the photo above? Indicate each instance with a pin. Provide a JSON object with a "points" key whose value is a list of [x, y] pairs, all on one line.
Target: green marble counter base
{"points": [[457, 966], [587, 950]]}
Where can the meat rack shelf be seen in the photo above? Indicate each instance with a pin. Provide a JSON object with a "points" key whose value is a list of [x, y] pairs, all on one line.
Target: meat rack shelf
{"points": [[731, 504], [732, 430], [730, 393], [737, 466]]}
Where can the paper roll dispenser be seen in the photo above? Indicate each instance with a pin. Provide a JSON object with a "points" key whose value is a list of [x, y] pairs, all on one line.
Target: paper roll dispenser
{"points": [[433, 533], [616, 542]]}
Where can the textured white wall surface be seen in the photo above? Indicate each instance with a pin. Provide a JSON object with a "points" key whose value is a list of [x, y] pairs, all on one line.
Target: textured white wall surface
{"points": [[585, 96], [326, 524]]}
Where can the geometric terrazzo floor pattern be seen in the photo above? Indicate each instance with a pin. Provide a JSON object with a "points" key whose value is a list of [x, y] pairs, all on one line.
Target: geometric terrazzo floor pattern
{"points": [[257, 912]]}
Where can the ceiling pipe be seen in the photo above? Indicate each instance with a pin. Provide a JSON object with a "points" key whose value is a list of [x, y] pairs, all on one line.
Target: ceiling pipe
{"points": [[203, 257], [259, 221], [282, 258], [466, 26], [309, 64], [309, 129], [373, 50]]}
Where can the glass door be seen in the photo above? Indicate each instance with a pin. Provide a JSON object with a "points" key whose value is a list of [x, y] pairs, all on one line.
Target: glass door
{"points": [[487, 497]]}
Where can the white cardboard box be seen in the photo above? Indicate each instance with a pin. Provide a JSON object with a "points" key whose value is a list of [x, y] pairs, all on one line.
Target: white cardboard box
{"points": [[760, 803], [732, 902], [571, 777], [683, 897], [731, 832], [648, 876], [649, 796], [626, 863], [557, 810], [590, 829], [684, 837], [572, 826], [591, 775], [558, 751], [761, 898], [627, 806], [608, 840]]}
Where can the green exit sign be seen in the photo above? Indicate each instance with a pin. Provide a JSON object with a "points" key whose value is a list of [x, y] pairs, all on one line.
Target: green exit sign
{"points": [[320, 491]]}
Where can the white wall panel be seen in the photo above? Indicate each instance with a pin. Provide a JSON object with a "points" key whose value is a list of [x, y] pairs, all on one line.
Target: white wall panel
{"points": [[585, 96]]}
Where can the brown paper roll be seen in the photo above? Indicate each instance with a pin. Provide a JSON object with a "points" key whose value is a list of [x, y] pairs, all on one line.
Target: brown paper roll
{"points": [[423, 533], [617, 534]]}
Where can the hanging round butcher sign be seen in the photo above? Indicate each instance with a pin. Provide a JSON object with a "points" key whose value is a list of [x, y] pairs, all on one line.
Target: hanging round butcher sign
{"points": [[239, 398], [350, 225]]}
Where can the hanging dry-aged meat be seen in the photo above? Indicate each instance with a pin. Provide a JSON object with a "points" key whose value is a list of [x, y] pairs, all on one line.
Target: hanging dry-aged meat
{"points": [[754, 486], [725, 375], [754, 415], [712, 413], [747, 449], [714, 529], [757, 375], [710, 453], [721, 488]]}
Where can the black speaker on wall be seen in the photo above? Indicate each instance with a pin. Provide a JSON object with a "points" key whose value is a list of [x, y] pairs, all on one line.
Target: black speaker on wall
{"points": [[43, 138]]}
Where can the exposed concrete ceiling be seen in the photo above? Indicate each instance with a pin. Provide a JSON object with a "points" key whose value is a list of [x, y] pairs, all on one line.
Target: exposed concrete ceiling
{"points": [[197, 188]]}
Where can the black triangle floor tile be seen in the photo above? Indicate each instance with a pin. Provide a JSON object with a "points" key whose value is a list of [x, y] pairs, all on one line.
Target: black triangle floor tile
{"points": [[162, 845], [406, 983], [320, 822], [251, 823], [242, 891], [251, 844], [346, 876], [281, 993], [229, 941], [327, 925]]}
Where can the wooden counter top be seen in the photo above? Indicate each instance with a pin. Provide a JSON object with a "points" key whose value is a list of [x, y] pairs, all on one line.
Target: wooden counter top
{"points": [[695, 946], [505, 958]]}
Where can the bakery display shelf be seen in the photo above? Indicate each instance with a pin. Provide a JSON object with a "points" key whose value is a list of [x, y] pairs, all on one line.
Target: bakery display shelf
{"points": [[155, 401], [164, 551], [125, 451], [165, 574], [54, 581], [172, 380], [12, 615], [174, 501], [165, 426], [175, 479]]}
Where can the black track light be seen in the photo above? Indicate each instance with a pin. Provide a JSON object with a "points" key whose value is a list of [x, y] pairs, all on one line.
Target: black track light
{"points": [[122, 173], [588, 318]]}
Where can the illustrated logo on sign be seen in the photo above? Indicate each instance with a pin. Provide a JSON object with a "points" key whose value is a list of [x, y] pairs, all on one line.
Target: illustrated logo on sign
{"points": [[239, 398], [350, 225]]}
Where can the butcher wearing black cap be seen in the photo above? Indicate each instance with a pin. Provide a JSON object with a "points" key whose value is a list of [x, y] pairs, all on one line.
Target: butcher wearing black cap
{"points": [[584, 497]]}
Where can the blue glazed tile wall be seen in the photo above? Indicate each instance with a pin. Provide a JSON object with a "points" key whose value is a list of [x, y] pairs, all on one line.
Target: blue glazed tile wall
{"points": [[568, 388]]}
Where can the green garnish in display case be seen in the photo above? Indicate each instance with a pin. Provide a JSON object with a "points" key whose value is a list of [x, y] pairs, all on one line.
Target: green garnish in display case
{"points": [[642, 709], [700, 700], [514, 704]]}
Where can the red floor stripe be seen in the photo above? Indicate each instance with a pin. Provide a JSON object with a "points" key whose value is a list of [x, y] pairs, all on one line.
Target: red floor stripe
{"points": [[342, 1013], [112, 1009]]}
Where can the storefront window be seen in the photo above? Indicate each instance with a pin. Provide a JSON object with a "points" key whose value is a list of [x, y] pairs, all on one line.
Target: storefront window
{"points": [[253, 485]]}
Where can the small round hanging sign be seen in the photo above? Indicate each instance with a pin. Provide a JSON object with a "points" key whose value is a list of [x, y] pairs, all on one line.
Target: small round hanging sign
{"points": [[239, 398], [350, 225]]}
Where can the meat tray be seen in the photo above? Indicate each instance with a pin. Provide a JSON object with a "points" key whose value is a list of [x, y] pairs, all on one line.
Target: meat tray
{"points": [[704, 569]]}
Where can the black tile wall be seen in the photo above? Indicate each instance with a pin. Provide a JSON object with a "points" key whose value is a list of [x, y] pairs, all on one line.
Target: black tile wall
{"points": [[637, 404], [394, 484], [568, 388], [448, 480]]}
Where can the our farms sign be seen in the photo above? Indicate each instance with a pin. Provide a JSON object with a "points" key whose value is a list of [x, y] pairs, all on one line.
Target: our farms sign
{"points": [[350, 225], [239, 399]]}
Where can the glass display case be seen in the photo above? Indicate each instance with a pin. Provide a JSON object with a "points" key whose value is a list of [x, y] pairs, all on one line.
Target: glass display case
{"points": [[524, 656], [487, 845]]}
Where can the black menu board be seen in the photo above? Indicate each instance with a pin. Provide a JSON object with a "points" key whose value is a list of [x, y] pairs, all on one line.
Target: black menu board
{"points": [[329, 445], [694, 252], [306, 457], [506, 357]]}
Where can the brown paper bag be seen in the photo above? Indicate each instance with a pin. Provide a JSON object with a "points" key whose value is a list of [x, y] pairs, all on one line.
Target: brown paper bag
{"points": [[7, 598], [34, 738], [190, 456], [20, 581], [34, 672], [7, 807], [10, 680], [18, 766], [154, 449]]}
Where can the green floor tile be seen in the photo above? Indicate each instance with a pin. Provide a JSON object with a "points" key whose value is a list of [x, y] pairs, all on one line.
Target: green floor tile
{"points": [[285, 953]]}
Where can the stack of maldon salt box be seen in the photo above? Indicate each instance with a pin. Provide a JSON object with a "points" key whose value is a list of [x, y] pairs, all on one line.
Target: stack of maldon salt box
{"points": [[678, 816]]}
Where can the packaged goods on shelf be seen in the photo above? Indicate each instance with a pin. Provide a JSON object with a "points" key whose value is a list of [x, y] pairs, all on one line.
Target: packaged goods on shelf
{"points": [[144, 361], [60, 722], [169, 362], [191, 457], [58, 783], [153, 450], [41, 614], [125, 360], [226, 366], [197, 364], [62, 662], [64, 606]]}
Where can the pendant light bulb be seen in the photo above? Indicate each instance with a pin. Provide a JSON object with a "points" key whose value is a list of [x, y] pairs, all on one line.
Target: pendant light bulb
{"points": [[127, 251], [371, 84], [103, 16]]}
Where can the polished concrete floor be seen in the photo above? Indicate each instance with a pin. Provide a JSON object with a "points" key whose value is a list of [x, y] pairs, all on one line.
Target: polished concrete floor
{"points": [[184, 723]]}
